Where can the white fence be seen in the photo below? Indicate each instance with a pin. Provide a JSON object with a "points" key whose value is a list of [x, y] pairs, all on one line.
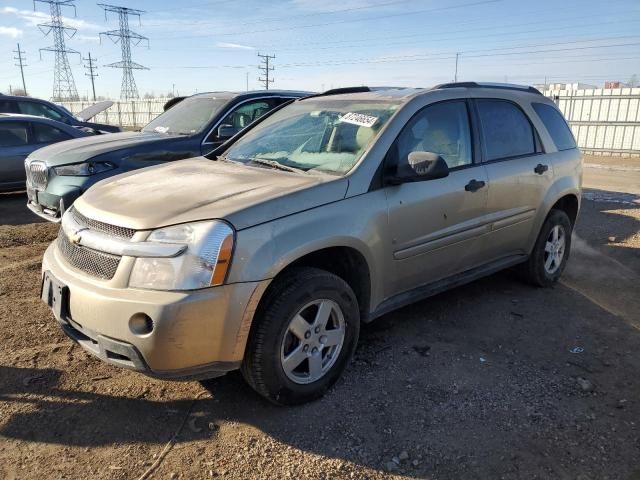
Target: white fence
{"points": [[604, 121], [124, 113]]}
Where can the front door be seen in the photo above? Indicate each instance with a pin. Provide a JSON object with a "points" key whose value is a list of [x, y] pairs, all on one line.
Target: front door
{"points": [[436, 224]]}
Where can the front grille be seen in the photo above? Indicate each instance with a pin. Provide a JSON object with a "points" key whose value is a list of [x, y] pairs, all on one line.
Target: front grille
{"points": [[113, 230], [36, 174], [98, 264]]}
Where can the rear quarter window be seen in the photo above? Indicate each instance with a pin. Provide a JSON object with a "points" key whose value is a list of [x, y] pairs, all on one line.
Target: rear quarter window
{"points": [[556, 125], [506, 130]]}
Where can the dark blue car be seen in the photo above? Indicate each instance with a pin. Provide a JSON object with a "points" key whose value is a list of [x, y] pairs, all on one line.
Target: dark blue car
{"points": [[43, 108], [58, 174]]}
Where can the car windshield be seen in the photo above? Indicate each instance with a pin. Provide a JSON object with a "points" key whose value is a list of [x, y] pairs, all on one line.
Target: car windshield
{"points": [[188, 117], [322, 134]]}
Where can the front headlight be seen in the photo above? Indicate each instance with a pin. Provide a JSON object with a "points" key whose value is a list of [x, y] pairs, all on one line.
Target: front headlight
{"points": [[204, 263], [84, 169]]}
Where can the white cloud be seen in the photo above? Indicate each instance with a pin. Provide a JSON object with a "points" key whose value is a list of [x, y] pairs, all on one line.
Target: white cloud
{"points": [[33, 18], [234, 45], [11, 32], [87, 38]]}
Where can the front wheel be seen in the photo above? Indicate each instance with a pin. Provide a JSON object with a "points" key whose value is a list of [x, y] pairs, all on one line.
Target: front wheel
{"points": [[551, 251], [303, 338]]}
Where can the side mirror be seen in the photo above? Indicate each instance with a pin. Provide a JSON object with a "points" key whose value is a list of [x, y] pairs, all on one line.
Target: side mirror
{"points": [[422, 166], [226, 131]]}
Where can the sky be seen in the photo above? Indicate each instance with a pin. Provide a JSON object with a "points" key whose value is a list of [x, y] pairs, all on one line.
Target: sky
{"points": [[198, 45]]}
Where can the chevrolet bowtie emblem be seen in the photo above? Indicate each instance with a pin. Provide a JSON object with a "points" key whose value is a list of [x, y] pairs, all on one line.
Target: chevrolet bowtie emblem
{"points": [[75, 237]]}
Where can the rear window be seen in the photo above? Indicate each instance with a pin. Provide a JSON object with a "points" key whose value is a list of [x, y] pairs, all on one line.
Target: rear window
{"points": [[506, 130], [556, 125]]}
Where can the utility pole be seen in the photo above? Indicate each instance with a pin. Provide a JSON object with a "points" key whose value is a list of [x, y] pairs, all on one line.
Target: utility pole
{"points": [[20, 64], [91, 66], [64, 87], [125, 37], [455, 76], [266, 70], [247, 81]]}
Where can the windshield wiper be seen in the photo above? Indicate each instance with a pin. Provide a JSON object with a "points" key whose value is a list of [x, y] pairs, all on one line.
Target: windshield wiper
{"points": [[276, 165]]}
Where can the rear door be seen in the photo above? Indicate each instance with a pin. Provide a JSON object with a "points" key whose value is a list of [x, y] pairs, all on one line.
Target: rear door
{"points": [[436, 224], [14, 148], [519, 176]]}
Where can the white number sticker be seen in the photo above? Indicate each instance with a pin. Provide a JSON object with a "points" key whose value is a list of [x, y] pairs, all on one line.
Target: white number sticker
{"points": [[359, 119]]}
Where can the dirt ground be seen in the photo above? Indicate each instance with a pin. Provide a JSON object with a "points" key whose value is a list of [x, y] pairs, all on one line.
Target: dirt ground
{"points": [[495, 379]]}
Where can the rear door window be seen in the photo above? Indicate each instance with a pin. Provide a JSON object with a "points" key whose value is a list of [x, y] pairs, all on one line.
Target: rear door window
{"points": [[47, 134], [7, 106], [14, 134], [506, 130], [39, 110], [556, 125]]}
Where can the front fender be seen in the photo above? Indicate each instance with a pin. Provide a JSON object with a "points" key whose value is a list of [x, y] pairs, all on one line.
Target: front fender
{"points": [[263, 251]]}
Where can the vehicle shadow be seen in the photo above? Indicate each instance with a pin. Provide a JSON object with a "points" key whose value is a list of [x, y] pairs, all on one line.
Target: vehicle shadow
{"points": [[478, 382], [609, 227], [14, 211]]}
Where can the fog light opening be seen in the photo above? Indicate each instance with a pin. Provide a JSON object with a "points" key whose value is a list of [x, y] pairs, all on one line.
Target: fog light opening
{"points": [[141, 324]]}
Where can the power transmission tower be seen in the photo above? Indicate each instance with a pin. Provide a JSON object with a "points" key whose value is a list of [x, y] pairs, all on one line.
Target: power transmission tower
{"points": [[266, 70], [64, 87], [91, 66], [125, 37], [20, 58]]}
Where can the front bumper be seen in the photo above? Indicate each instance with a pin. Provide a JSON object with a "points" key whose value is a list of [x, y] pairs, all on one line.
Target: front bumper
{"points": [[50, 206], [197, 334]]}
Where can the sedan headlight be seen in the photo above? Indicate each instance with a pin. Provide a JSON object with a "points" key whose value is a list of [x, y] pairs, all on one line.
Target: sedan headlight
{"points": [[204, 263], [84, 169]]}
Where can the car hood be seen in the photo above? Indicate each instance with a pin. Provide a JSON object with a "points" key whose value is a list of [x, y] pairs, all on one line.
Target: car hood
{"points": [[91, 111], [82, 149], [201, 189]]}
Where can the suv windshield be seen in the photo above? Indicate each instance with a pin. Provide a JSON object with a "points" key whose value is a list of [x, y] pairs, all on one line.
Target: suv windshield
{"points": [[188, 117], [316, 134]]}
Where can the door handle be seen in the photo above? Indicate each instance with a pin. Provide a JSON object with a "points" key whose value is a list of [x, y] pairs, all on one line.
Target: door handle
{"points": [[540, 169], [474, 185]]}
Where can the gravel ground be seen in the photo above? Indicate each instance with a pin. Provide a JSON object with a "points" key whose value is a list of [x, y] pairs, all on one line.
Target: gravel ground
{"points": [[492, 380]]}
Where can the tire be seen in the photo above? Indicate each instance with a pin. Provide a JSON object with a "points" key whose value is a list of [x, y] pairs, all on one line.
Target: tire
{"points": [[279, 339], [537, 270]]}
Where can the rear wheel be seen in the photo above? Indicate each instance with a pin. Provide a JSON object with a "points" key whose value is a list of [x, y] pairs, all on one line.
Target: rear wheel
{"points": [[551, 251], [303, 336]]}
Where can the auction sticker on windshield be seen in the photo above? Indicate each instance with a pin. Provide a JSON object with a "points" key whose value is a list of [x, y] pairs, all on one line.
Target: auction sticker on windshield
{"points": [[359, 119]]}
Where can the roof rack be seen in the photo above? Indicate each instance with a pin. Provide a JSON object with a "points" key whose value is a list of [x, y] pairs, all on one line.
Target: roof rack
{"points": [[339, 91], [502, 86]]}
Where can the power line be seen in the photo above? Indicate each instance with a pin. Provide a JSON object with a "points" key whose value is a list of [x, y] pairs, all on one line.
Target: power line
{"points": [[91, 66], [64, 87], [266, 70], [125, 36], [335, 22], [21, 64]]}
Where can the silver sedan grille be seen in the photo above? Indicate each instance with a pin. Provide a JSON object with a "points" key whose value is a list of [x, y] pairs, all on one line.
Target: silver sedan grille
{"points": [[36, 174]]}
